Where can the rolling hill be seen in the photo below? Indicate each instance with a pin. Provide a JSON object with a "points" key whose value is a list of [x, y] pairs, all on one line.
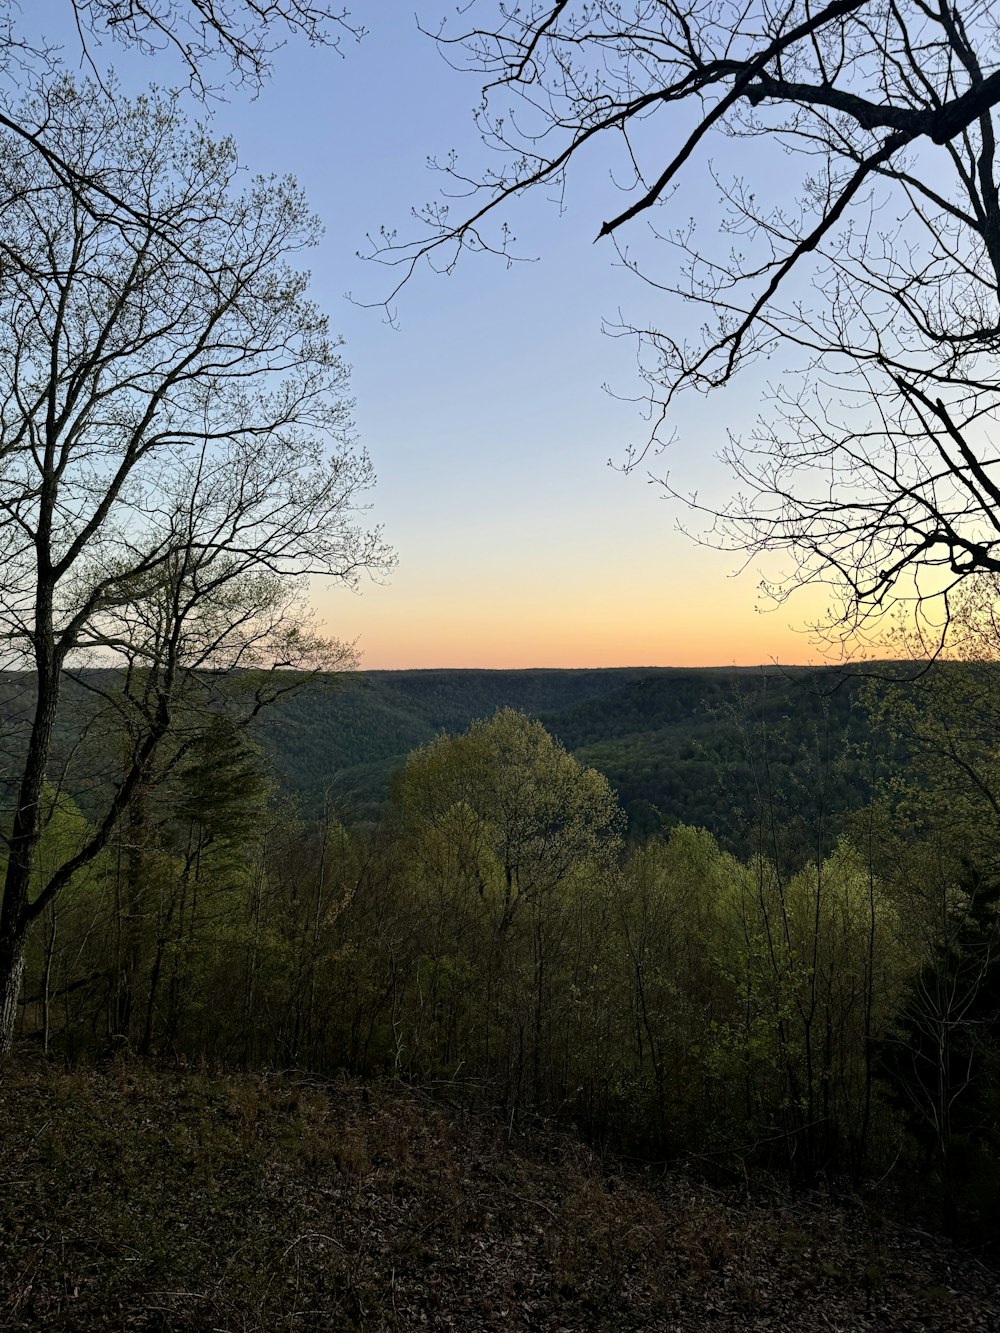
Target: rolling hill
{"points": [[700, 746], [705, 746]]}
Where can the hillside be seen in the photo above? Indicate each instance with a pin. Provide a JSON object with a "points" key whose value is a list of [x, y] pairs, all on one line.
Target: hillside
{"points": [[694, 746], [704, 746], [351, 732], [136, 1199]]}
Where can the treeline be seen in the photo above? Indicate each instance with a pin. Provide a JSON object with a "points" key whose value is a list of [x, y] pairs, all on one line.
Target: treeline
{"points": [[496, 933]]}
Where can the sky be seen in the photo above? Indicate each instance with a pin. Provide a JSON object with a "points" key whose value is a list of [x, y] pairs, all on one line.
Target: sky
{"points": [[483, 404]]}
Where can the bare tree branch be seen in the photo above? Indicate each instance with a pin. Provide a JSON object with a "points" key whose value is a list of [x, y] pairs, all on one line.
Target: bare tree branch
{"points": [[867, 256]]}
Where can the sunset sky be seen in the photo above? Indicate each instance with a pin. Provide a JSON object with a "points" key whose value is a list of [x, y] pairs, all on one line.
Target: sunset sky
{"points": [[484, 410]]}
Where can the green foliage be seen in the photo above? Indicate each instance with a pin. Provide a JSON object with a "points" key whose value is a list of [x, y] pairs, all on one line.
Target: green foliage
{"points": [[494, 932], [519, 813], [701, 747], [941, 1056], [678, 746]]}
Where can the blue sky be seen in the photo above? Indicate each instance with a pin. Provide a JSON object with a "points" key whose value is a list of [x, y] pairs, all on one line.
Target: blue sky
{"points": [[483, 409]]}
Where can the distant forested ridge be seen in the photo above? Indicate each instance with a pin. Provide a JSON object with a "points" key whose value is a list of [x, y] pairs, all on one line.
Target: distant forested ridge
{"points": [[703, 746], [697, 746]]}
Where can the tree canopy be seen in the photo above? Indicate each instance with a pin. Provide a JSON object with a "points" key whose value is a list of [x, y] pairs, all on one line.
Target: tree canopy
{"points": [[511, 805]]}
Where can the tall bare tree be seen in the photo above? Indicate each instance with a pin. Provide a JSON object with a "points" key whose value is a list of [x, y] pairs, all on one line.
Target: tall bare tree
{"points": [[175, 443], [215, 45], [873, 285]]}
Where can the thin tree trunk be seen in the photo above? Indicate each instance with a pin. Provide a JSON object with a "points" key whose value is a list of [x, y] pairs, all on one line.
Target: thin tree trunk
{"points": [[50, 950], [130, 920], [25, 832]]}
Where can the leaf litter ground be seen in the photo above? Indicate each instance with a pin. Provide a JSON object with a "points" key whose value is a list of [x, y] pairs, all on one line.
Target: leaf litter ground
{"points": [[138, 1199]]}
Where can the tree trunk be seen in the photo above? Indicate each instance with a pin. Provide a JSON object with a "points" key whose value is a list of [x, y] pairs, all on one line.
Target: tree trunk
{"points": [[129, 920], [11, 974], [50, 953], [25, 833]]}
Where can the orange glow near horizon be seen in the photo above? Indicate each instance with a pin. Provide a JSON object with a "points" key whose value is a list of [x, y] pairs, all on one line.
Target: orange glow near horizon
{"points": [[397, 629]]}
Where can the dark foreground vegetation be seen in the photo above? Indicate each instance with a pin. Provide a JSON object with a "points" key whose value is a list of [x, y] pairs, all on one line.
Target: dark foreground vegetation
{"points": [[142, 1199]]}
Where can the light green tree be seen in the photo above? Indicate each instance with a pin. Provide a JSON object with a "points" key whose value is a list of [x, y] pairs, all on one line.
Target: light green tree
{"points": [[505, 833], [175, 441], [520, 812]]}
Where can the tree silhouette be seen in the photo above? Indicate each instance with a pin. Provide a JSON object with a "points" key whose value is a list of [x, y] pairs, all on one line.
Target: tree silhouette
{"points": [[873, 286]]}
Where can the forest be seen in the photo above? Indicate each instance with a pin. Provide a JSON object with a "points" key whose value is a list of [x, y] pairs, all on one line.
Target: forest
{"points": [[812, 987], [673, 743]]}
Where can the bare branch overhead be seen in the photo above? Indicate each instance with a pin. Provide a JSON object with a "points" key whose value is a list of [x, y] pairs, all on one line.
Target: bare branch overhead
{"points": [[857, 241]]}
